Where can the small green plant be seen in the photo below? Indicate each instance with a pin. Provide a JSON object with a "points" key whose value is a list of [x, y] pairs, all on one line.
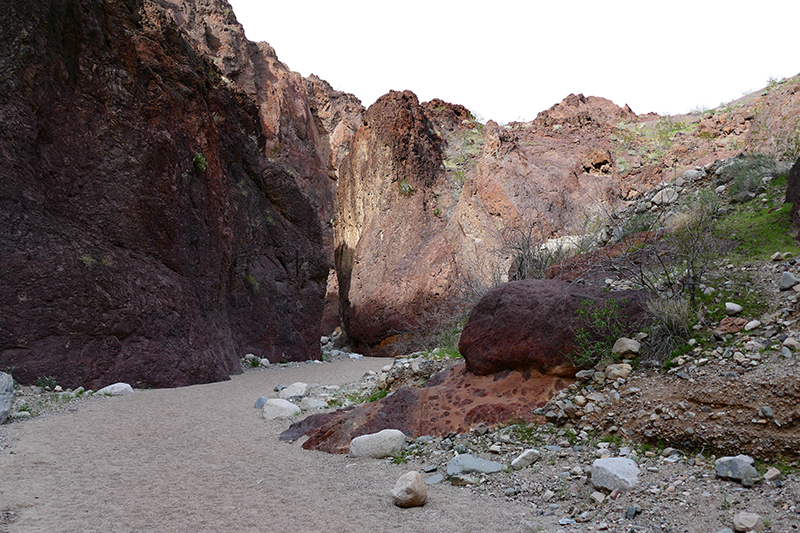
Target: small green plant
{"points": [[625, 136], [283, 361], [437, 212], [725, 505], [601, 329], [523, 432], [46, 382], [377, 395], [406, 189], [252, 282], [400, 457], [612, 439], [199, 162], [87, 260], [255, 363], [665, 128]]}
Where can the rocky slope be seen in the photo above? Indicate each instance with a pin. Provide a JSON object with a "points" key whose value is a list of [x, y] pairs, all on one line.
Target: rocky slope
{"points": [[144, 236]]}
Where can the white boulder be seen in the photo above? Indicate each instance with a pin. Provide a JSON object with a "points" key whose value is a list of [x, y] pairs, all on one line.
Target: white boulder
{"points": [[295, 389], [117, 389], [614, 473], [278, 408], [377, 445], [526, 458]]}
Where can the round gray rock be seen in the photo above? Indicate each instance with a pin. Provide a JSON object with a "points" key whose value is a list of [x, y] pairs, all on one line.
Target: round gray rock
{"points": [[468, 464]]}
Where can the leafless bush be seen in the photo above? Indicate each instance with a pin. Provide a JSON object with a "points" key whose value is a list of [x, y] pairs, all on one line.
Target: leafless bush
{"points": [[674, 254]]}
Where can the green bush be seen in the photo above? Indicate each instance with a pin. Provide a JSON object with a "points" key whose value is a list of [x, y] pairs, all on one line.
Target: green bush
{"points": [[745, 187], [602, 326], [199, 162], [46, 382]]}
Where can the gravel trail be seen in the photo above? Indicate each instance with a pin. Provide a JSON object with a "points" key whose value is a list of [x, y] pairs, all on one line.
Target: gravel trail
{"points": [[201, 458]]}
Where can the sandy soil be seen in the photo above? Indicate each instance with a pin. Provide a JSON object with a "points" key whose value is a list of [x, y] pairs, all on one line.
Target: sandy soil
{"points": [[201, 458]]}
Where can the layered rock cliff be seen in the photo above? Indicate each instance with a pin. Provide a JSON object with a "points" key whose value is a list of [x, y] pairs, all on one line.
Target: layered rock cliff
{"points": [[144, 235]]}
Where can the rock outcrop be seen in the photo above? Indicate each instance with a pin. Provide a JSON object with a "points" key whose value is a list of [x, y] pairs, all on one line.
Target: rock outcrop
{"points": [[452, 400], [144, 236], [533, 324], [387, 226]]}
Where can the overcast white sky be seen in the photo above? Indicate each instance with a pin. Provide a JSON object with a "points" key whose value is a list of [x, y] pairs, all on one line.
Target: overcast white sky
{"points": [[508, 60]]}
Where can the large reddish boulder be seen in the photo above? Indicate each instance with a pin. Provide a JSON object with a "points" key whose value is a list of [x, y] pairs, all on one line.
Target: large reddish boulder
{"points": [[532, 324], [453, 400], [143, 235]]}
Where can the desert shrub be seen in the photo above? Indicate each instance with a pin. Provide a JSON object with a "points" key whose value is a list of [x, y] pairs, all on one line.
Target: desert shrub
{"points": [[673, 262], [750, 166], [745, 186], [638, 223], [671, 322], [692, 238], [602, 326], [665, 128], [531, 253]]}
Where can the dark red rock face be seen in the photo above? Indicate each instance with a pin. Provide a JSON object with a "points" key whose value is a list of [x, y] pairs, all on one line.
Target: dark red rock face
{"points": [[453, 400], [793, 193], [124, 257], [532, 324]]}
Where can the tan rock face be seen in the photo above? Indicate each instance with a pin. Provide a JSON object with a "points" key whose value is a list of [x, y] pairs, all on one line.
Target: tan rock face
{"points": [[577, 160], [392, 259]]}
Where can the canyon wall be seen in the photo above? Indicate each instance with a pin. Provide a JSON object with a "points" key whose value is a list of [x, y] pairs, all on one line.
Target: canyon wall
{"points": [[144, 235]]}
